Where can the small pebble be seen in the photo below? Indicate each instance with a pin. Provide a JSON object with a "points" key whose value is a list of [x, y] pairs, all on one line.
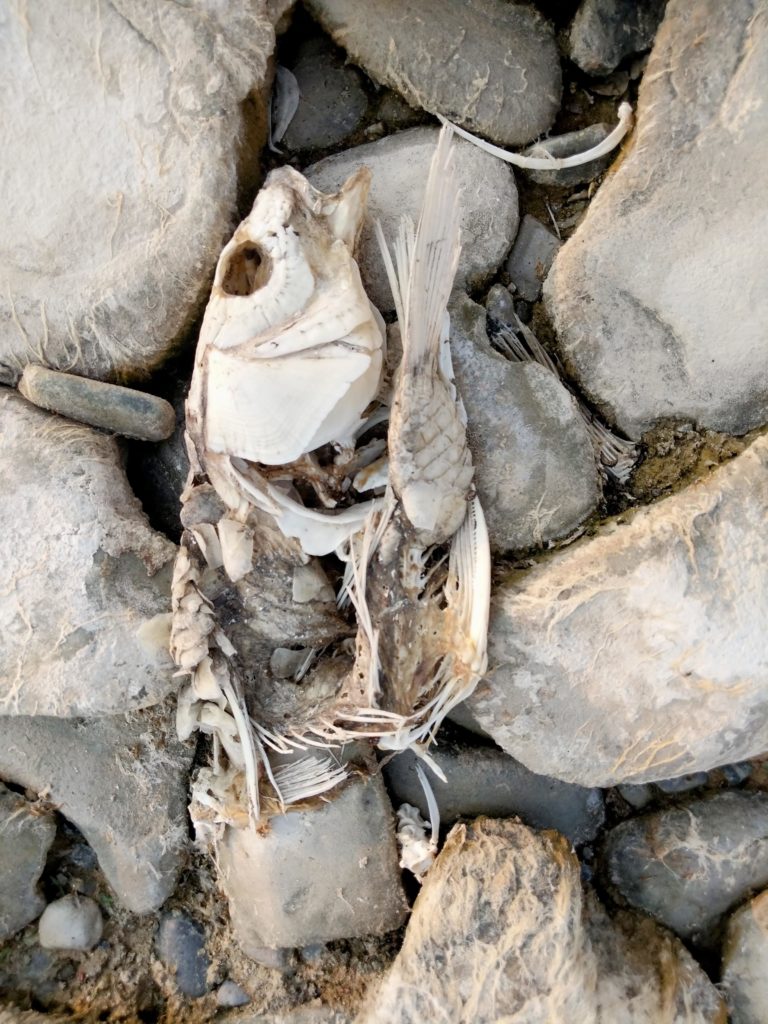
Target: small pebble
{"points": [[230, 994], [181, 947], [637, 795], [73, 922], [500, 305], [120, 410], [531, 257], [569, 145], [735, 774]]}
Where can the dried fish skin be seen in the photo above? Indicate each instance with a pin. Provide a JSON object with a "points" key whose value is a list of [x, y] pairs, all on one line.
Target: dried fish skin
{"points": [[290, 351]]}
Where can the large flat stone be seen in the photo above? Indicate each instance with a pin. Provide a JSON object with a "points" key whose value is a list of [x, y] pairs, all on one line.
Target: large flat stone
{"points": [[658, 299], [641, 653], [535, 467], [87, 582], [122, 780], [400, 165], [318, 873], [123, 128], [502, 931], [489, 65]]}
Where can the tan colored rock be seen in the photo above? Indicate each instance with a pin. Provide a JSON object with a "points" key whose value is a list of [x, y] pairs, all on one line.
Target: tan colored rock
{"points": [[84, 608], [745, 956], [502, 931], [641, 653]]}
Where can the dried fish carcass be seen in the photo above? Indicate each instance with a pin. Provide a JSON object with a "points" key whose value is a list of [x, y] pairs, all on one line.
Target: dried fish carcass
{"points": [[282, 419]]}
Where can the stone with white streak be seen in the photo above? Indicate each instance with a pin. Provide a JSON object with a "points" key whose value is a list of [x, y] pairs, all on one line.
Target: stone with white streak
{"points": [[83, 613], [400, 165], [503, 931], [659, 299], [640, 654], [489, 65], [125, 123]]}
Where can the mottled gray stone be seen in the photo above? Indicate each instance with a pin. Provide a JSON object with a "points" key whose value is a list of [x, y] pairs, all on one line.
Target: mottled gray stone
{"points": [[400, 165], [745, 955], [531, 257], [484, 780], [688, 865], [325, 872], [658, 300], [72, 922], [124, 126], [120, 410], [683, 783], [503, 930], [535, 466], [491, 66], [181, 947], [569, 145], [333, 101], [640, 653], [122, 780], [637, 795], [604, 32], [26, 835], [85, 608]]}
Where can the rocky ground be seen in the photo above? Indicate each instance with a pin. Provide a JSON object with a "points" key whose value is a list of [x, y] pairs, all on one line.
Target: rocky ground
{"points": [[603, 845]]}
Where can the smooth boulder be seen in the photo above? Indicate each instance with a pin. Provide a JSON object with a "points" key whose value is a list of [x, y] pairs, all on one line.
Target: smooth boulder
{"points": [[124, 125], [26, 834], [640, 654], [658, 299], [400, 165]]}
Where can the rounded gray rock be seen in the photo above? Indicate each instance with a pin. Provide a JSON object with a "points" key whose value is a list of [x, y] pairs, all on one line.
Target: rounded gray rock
{"points": [[400, 165], [73, 922], [745, 955], [604, 32], [26, 835], [181, 947], [123, 127], [535, 467], [687, 866], [491, 66]]}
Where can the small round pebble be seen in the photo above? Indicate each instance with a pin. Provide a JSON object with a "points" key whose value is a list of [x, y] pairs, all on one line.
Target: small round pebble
{"points": [[230, 994], [181, 947], [73, 922]]}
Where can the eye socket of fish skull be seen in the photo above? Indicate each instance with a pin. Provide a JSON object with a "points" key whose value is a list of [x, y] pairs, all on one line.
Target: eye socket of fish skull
{"points": [[248, 269]]}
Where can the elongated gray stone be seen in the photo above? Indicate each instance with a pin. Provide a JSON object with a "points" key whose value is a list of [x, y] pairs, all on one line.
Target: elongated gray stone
{"points": [[640, 653], [745, 954], [502, 931], [658, 301], [688, 865], [326, 872], [85, 607], [400, 165], [535, 468], [122, 780], [569, 145], [119, 410], [124, 125], [25, 838], [483, 780], [489, 65]]}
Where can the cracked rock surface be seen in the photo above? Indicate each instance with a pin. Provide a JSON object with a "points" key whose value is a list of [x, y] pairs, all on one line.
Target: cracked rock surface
{"points": [[84, 611]]}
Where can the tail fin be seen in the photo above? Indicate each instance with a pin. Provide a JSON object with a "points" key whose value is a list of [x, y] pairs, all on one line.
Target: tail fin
{"points": [[427, 260]]}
